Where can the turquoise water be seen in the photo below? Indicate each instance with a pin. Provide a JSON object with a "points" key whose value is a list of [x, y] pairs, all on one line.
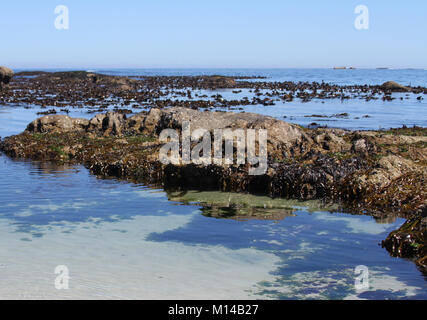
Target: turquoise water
{"points": [[123, 240]]}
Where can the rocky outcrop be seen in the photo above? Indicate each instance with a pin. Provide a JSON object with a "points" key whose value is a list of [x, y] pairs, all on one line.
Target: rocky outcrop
{"points": [[354, 167], [394, 86], [280, 133], [6, 75]]}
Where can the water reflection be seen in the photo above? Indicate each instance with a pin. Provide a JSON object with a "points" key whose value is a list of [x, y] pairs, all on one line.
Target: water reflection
{"points": [[242, 206], [107, 231], [48, 169]]}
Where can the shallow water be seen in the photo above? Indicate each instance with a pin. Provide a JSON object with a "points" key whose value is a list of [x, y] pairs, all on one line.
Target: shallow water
{"points": [[362, 115], [122, 240]]}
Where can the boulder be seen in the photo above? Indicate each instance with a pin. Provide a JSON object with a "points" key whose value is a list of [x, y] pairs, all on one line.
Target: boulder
{"points": [[110, 123], [394, 86], [6, 75], [95, 124], [57, 124], [173, 118], [114, 123]]}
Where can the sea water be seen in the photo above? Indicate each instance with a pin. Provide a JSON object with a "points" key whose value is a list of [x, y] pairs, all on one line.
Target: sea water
{"points": [[128, 241]]}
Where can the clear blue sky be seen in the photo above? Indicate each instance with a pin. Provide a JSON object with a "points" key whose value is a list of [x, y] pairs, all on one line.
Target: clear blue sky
{"points": [[199, 33]]}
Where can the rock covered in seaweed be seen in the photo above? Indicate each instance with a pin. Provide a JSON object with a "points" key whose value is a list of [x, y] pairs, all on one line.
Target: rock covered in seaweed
{"points": [[410, 241]]}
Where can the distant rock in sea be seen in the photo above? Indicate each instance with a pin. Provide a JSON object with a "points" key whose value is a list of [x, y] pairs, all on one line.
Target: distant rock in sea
{"points": [[394, 86]]}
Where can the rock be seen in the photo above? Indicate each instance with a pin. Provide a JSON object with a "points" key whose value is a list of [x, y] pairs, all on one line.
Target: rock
{"points": [[410, 241], [114, 123], [388, 168], [151, 121], [6, 75], [136, 123], [331, 140], [95, 124], [360, 146], [57, 124], [111, 123], [121, 84], [281, 135], [394, 86], [218, 82], [92, 77], [174, 118]]}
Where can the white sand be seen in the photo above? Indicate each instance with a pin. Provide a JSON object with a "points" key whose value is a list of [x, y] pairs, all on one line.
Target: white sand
{"points": [[113, 260]]}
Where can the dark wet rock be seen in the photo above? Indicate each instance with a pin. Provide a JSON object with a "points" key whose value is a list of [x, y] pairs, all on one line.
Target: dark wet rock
{"points": [[218, 82], [410, 241], [92, 77], [51, 111]]}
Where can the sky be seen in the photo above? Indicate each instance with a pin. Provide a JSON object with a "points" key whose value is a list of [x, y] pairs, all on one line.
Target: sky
{"points": [[213, 34]]}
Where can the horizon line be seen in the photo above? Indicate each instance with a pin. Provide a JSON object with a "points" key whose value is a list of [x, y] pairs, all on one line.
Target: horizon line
{"points": [[80, 68]]}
